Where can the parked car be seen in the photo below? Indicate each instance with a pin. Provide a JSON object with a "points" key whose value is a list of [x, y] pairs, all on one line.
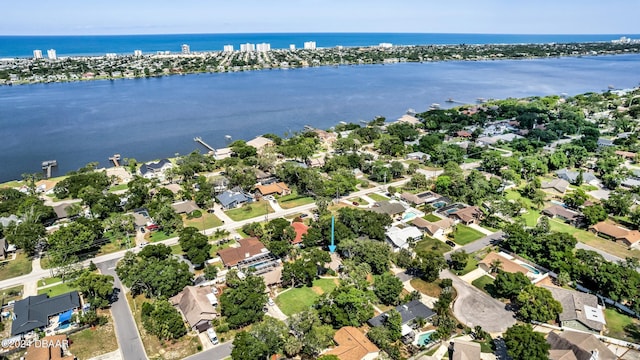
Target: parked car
{"points": [[212, 336], [270, 302], [143, 244], [302, 216], [450, 243]]}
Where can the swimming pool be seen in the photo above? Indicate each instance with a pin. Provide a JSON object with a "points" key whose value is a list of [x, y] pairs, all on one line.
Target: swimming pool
{"points": [[439, 204], [531, 268], [409, 216], [425, 338]]}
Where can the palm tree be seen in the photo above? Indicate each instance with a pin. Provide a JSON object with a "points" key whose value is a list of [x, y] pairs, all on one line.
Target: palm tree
{"points": [[495, 265]]}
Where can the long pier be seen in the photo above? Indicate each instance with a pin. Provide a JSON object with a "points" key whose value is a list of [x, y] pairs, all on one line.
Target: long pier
{"points": [[199, 140], [47, 165]]}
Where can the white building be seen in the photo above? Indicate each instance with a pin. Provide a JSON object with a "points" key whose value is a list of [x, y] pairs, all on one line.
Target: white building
{"points": [[310, 45], [292, 46], [228, 48], [385, 45], [137, 52], [263, 47], [247, 47], [111, 55], [37, 54], [51, 54], [186, 49]]}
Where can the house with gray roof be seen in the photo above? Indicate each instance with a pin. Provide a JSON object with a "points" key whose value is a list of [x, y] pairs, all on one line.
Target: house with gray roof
{"points": [[40, 311], [231, 199], [409, 312], [152, 170], [577, 345], [580, 311], [556, 185], [388, 207], [572, 176]]}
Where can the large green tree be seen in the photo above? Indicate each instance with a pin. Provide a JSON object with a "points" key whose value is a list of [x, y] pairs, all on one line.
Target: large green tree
{"points": [[537, 304], [153, 276], [345, 306], [509, 285], [163, 320], [387, 288], [195, 245], [97, 289], [243, 301], [525, 344]]}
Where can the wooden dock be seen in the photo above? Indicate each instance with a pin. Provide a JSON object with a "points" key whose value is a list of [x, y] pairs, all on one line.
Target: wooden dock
{"points": [[115, 159], [199, 140], [48, 165]]}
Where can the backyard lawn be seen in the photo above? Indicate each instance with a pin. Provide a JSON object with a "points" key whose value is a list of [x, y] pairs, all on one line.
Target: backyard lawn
{"points": [[591, 239], [432, 218], [377, 197], [206, 221], [19, 266], [617, 324], [465, 235], [432, 289], [249, 211], [482, 282], [430, 244], [298, 299], [472, 264], [531, 217], [12, 293], [294, 200], [96, 341]]}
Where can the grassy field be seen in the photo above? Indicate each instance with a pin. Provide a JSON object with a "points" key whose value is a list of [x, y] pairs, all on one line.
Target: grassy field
{"points": [[19, 266], [12, 293], [255, 209], [432, 289], [155, 236], [465, 235], [621, 326], [531, 217], [294, 200], [377, 197], [91, 342], [432, 218], [482, 282], [515, 195], [359, 200], [591, 239], [298, 299], [431, 245], [206, 221], [56, 290], [472, 264], [118, 187], [49, 281], [154, 347]]}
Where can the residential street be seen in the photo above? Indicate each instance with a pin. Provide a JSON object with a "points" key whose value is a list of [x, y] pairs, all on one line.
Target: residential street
{"points": [[478, 244], [217, 353]]}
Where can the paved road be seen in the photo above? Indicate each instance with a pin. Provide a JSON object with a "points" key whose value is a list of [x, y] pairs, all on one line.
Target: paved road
{"points": [[478, 244], [605, 255], [472, 307], [126, 330], [219, 352]]}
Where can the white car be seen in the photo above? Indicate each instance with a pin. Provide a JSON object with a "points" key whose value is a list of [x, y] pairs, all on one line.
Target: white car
{"points": [[212, 336], [270, 302]]}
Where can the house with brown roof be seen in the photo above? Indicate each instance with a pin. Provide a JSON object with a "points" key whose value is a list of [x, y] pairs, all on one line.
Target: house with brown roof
{"points": [[580, 311], [464, 350], [185, 207], [260, 142], [468, 215], [506, 264], [54, 347], [434, 229], [562, 213], [388, 207], [614, 232], [556, 186], [424, 197], [463, 134], [411, 120], [353, 345], [626, 154], [279, 188], [196, 305], [325, 136], [583, 346], [300, 229], [247, 250]]}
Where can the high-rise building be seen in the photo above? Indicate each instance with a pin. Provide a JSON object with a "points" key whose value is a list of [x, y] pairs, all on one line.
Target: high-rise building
{"points": [[37, 54], [228, 48], [263, 47], [385, 45], [137, 52], [292, 46], [186, 49], [248, 47], [310, 45], [111, 55], [51, 54]]}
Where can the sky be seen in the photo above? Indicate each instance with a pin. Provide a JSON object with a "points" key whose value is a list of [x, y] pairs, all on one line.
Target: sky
{"points": [[86, 17]]}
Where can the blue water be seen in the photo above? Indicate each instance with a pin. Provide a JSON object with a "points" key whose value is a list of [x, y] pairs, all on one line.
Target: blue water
{"points": [[425, 338], [23, 46], [531, 268], [77, 123]]}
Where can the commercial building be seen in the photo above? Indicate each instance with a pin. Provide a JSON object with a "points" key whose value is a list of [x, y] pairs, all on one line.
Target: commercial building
{"points": [[37, 54], [247, 47], [137, 52], [310, 45], [292, 46], [51, 54], [186, 49], [228, 48], [263, 47]]}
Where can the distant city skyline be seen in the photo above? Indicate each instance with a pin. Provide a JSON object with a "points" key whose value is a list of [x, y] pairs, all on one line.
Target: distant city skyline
{"points": [[115, 17]]}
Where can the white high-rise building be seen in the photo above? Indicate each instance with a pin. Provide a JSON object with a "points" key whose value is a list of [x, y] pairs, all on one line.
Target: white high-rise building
{"points": [[263, 47], [292, 46], [310, 45], [37, 54], [248, 47], [385, 45], [111, 55], [228, 48], [51, 54], [186, 49], [137, 52]]}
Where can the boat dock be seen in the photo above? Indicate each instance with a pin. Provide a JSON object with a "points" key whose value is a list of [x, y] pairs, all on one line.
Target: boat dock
{"points": [[47, 165], [199, 140], [115, 159]]}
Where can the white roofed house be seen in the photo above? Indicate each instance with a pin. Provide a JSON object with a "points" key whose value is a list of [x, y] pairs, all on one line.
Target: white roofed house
{"points": [[401, 238]]}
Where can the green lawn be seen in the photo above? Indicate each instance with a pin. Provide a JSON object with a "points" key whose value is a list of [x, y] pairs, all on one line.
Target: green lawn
{"points": [[295, 300], [56, 290], [206, 221], [472, 264], [432, 289], [49, 281], [482, 282], [515, 195], [531, 217], [12, 293], [431, 245], [591, 239], [294, 200], [359, 200], [119, 187], [19, 266], [161, 235], [249, 211], [432, 218], [92, 342], [377, 197], [621, 326], [465, 235]]}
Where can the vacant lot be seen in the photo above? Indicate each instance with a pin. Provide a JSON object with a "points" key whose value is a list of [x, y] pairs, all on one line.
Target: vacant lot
{"points": [[19, 266], [294, 200], [249, 211], [621, 326], [92, 342], [299, 299], [431, 245], [465, 235], [377, 197], [432, 289], [206, 221]]}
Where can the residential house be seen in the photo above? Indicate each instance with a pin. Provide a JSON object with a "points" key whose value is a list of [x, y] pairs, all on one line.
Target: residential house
{"points": [[62, 210], [468, 215], [264, 178], [557, 186], [40, 311], [300, 229], [316, 162], [505, 264], [388, 207], [492, 140], [325, 136], [417, 155], [464, 350], [572, 176], [141, 218], [155, 170], [353, 345], [401, 238], [602, 142], [275, 188], [174, 188], [562, 213], [250, 253], [463, 134], [583, 346], [260, 142], [614, 232], [628, 155], [409, 312], [233, 198], [408, 119], [433, 229], [580, 311], [185, 207], [222, 153], [220, 184], [197, 306], [425, 197], [630, 183], [53, 347]]}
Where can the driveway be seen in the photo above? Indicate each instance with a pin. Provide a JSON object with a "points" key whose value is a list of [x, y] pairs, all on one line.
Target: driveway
{"points": [[126, 330], [472, 307]]}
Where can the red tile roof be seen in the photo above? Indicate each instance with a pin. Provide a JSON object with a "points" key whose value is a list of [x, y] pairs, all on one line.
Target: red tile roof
{"points": [[300, 229], [248, 248]]}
